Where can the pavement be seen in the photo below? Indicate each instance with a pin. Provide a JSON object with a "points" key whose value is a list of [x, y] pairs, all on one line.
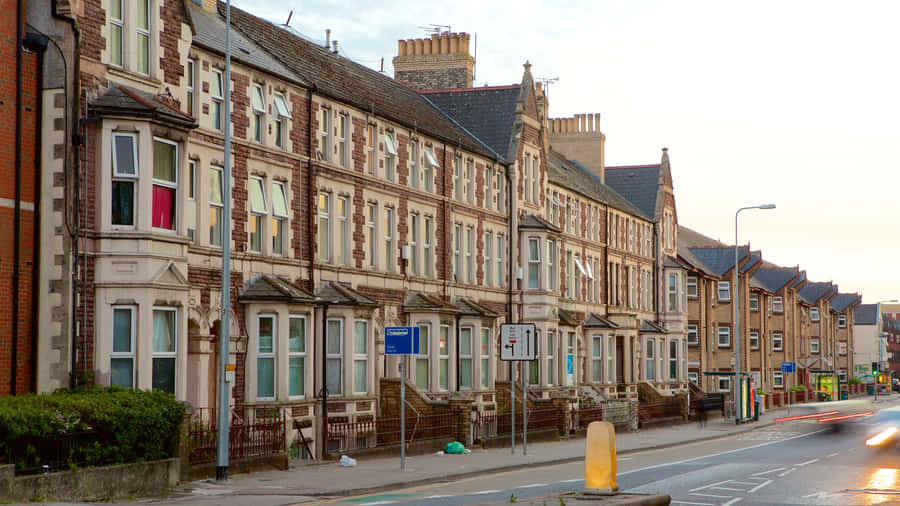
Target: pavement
{"points": [[305, 482]]}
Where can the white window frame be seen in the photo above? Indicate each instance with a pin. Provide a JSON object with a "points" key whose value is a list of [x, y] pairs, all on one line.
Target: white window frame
{"points": [[371, 229], [534, 263], [466, 356], [552, 367], [470, 246], [777, 379], [370, 149], [124, 355], [390, 156], [443, 357], [143, 32], [457, 177], [723, 286], [169, 354], [279, 219], [120, 24], [412, 161], [414, 244], [814, 314], [723, 331], [259, 113], [170, 185], [650, 356], [429, 252], [124, 177], [551, 265], [257, 215], [389, 239], [283, 113], [527, 172], [726, 387], [431, 163], [343, 230], [425, 355], [343, 127], [535, 193], [486, 260], [339, 355], [754, 339], [361, 357], [484, 358], [270, 355], [777, 341], [457, 258], [219, 207], [754, 302], [324, 133], [216, 114], [777, 305], [693, 330], [672, 292], [693, 377], [298, 355], [501, 279], [611, 359], [814, 345], [323, 215], [597, 358], [673, 359], [842, 321], [191, 81]]}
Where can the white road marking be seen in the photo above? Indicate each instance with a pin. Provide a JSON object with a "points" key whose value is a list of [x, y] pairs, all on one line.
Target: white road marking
{"points": [[718, 454], [376, 502], [807, 462], [835, 454], [730, 489], [709, 486], [712, 495], [789, 471], [769, 471], [620, 459], [534, 485], [761, 485], [736, 499], [437, 496], [576, 479], [743, 483], [483, 492], [697, 503]]}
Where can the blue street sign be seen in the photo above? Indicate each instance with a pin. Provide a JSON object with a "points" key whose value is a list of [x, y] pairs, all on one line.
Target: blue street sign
{"points": [[401, 340], [789, 367]]}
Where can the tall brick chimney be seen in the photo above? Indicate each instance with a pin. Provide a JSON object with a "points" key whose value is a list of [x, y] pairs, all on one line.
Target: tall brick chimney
{"points": [[208, 5], [579, 138], [437, 63]]}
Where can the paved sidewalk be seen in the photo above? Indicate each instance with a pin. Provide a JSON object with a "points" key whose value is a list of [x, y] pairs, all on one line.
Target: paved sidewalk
{"points": [[378, 474]]}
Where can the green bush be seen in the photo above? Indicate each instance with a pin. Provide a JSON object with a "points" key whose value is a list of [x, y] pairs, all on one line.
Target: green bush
{"points": [[88, 427]]}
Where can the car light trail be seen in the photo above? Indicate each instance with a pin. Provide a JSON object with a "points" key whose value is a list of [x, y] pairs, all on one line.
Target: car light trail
{"points": [[881, 437], [806, 417], [845, 417]]}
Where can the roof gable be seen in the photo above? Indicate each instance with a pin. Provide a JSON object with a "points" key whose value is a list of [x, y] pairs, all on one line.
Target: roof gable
{"points": [[842, 301], [719, 260], [814, 292], [773, 279], [639, 184], [488, 113]]}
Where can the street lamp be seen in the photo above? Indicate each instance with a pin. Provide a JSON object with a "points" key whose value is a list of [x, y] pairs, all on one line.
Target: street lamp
{"points": [[737, 321]]}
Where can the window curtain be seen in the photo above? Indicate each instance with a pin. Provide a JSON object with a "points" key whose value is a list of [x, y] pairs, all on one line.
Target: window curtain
{"points": [[164, 331], [163, 207]]}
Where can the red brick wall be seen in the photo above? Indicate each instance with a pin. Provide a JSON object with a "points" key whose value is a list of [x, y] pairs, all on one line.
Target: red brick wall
{"points": [[172, 15], [27, 181]]}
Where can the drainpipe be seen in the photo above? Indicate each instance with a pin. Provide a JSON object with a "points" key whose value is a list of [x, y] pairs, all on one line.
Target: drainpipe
{"points": [[458, 376], [18, 202], [312, 198], [324, 390], [509, 247], [38, 44]]}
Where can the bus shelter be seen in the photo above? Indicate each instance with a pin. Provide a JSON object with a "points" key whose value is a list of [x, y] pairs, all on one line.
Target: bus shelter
{"points": [[743, 391]]}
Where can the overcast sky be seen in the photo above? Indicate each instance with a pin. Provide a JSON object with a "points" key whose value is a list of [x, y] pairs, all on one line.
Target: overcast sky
{"points": [[794, 103]]}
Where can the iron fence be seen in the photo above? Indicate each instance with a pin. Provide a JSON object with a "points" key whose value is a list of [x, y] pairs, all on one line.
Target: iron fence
{"points": [[344, 436], [488, 424], [253, 431]]}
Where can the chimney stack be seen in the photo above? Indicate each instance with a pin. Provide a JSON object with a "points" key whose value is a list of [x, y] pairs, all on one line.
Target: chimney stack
{"points": [[579, 138], [327, 38], [441, 61]]}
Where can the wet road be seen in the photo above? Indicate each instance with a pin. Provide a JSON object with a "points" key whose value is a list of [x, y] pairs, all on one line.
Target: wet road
{"points": [[794, 463]]}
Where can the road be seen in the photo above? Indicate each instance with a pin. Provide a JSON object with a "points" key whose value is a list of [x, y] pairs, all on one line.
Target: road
{"points": [[799, 462]]}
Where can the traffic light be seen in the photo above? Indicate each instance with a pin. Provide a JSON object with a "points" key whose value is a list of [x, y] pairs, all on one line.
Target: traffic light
{"points": [[874, 368]]}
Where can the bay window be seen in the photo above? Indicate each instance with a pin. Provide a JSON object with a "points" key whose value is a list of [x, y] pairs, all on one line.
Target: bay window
{"points": [[611, 359], [297, 356], [121, 366], [672, 293], [597, 359], [164, 342], [279, 217], [551, 265], [444, 358], [257, 213], [216, 205], [673, 360], [551, 362], [651, 359], [534, 368], [423, 358], [124, 180], [534, 263], [265, 357], [485, 356], [334, 356], [165, 183]]}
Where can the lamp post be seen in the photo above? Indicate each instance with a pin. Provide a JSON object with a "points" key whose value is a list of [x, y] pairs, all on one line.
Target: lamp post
{"points": [[737, 321]]}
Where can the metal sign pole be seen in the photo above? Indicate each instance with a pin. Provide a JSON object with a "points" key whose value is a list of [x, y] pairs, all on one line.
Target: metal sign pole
{"points": [[402, 412], [512, 386], [525, 409]]}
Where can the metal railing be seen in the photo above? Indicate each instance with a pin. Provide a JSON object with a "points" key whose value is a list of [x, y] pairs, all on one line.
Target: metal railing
{"points": [[384, 431], [489, 424], [253, 431]]}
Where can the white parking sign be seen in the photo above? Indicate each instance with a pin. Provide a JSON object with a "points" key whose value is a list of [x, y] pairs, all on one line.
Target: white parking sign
{"points": [[517, 341]]}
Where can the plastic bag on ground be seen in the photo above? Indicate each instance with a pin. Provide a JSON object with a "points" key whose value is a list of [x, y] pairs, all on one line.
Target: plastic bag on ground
{"points": [[347, 461], [455, 448]]}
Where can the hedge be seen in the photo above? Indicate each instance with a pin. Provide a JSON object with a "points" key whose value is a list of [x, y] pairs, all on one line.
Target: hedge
{"points": [[88, 427]]}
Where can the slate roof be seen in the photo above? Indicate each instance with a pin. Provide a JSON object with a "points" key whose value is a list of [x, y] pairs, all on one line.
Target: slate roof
{"points": [[489, 113], [638, 184], [755, 258], [427, 302], [719, 260], [865, 314], [566, 318], [341, 294], [842, 301], [209, 32], [773, 279], [594, 320], [468, 306], [672, 263], [813, 292], [121, 99], [648, 327], [690, 238], [800, 280], [347, 81], [533, 221], [572, 175], [272, 288]]}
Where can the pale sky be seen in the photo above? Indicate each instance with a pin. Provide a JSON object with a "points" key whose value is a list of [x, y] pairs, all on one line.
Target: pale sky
{"points": [[789, 102]]}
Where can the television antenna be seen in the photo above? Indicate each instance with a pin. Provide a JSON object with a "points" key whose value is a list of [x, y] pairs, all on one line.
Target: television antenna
{"points": [[547, 81], [436, 29]]}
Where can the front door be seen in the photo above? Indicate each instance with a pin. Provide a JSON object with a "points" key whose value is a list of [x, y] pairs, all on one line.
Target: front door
{"points": [[620, 360]]}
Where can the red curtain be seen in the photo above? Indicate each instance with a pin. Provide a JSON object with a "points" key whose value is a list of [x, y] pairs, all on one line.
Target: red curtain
{"points": [[163, 207]]}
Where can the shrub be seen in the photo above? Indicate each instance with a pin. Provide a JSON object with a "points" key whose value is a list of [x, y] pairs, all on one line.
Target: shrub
{"points": [[88, 427]]}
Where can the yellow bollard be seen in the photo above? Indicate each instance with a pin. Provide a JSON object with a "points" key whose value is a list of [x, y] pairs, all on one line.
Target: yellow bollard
{"points": [[600, 459]]}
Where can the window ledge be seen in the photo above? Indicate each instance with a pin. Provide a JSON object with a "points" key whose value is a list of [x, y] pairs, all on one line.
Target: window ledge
{"points": [[134, 77]]}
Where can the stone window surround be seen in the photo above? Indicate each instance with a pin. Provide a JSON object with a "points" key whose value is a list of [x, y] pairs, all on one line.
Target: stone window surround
{"points": [[129, 41]]}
